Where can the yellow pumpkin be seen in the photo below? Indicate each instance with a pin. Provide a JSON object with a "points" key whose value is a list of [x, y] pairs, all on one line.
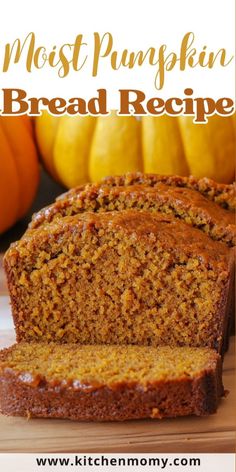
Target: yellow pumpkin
{"points": [[79, 149], [19, 169]]}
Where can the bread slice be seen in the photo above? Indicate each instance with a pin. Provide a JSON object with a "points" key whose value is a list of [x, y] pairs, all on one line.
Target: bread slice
{"points": [[108, 383], [183, 203], [222, 194], [127, 277]]}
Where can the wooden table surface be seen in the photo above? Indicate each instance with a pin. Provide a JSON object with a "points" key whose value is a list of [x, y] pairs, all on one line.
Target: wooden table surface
{"points": [[181, 435]]}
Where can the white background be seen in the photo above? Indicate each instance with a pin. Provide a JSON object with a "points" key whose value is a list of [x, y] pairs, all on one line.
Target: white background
{"points": [[209, 463], [134, 25]]}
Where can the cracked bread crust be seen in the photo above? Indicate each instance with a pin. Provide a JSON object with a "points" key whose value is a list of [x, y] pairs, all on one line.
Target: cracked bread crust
{"points": [[223, 194], [185, 204]]}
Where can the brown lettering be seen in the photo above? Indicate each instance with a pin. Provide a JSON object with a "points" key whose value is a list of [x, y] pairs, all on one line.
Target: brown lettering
{"points": [[222, 104], [8, 102], [125, 102]]}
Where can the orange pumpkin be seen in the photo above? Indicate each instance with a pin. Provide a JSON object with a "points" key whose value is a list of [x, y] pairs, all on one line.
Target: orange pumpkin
{"points": [[19, 169]]}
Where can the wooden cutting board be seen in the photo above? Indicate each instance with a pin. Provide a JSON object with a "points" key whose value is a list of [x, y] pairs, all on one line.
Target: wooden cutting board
{"points": [[181, 435]]}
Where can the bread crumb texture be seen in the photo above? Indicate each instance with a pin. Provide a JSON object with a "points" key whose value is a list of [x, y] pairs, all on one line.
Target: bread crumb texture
{"points": [[101, 365], [128, 277]]}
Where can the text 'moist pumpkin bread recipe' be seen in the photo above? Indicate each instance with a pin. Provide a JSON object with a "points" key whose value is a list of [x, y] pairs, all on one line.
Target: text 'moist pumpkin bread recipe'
{"points": [[109, 382], [112, 274]]}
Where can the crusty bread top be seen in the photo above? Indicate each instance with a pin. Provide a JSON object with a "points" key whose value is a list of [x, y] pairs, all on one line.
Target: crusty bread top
{"points": [[154, 228], [184, 203], [223, 194]]}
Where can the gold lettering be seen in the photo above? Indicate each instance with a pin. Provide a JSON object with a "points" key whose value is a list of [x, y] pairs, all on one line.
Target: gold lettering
{"points": [[18, 48], [98, 49]]}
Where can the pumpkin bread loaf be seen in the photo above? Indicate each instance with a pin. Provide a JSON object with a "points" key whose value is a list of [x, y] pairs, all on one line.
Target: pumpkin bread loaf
{"points": [[125, 277], [183, 203], [108, 382], [201, 203]]}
